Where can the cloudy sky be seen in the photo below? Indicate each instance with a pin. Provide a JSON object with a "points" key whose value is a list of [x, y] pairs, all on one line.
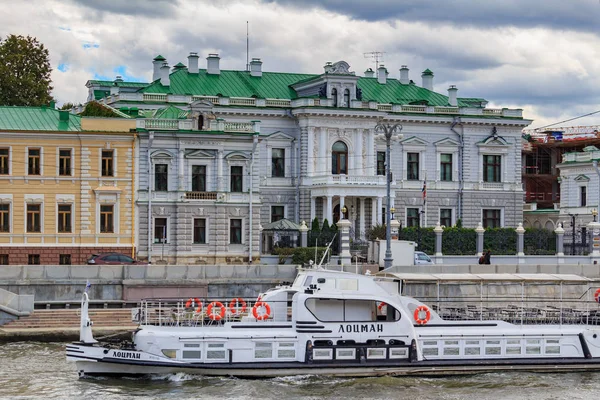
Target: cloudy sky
{"points": [[538, 55]]}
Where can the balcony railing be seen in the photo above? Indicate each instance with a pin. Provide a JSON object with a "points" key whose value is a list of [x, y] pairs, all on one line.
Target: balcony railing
{"points": [[542, 196], [201, 196], [348, 180]]}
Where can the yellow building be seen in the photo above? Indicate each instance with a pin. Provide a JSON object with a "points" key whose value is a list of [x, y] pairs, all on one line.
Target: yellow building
{"points": [[66, 186]]}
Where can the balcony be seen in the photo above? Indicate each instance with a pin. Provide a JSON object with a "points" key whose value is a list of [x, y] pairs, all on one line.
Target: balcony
{"points": [[201, 196], [542, 197], [359, 180]]}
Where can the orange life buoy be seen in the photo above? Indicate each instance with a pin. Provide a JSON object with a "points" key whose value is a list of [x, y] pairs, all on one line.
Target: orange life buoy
{"points": [[233, 306], [418, 311], [597, 296], [263, 305], [217, 315], [192, 302], [381, 305]]}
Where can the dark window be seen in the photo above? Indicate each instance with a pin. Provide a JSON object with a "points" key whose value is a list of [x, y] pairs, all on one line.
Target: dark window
{"points": [[4, 160], [34, 218], [107, 219], [4, 217], [64, 218], [381, 163], [235, 231], [278, 163], [64, 162], [237, 178], [34, 162], [199, 230], [446, 167], [491, 219], [125, 259], [107, 163], [33, 259], [64, 259], [198, 178], [346, 98], [583, 196], [339, 158], [334, 97], [412, 217], [446, 217], [276, 213], [3, 259], [160, 230], [412, 166], [491, 168], [161, 177], [200, 122]]}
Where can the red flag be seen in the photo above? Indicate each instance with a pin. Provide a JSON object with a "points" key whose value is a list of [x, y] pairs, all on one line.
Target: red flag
{"points": [[424, 191]]}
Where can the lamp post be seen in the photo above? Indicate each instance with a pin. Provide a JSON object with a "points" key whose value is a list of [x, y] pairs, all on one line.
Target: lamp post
{"points": [[386, 131]]}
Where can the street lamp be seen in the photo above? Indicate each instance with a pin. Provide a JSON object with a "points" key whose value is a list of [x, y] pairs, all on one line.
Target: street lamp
{"points": [[386, 131], [392, 210], [594, 214], [344, 211]]}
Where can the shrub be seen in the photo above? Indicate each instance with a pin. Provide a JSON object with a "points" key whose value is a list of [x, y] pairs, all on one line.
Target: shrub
{"points": [[459, 241]]}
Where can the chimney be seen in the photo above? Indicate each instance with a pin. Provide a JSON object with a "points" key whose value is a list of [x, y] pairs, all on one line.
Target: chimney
{"points": [[404, 75], [452, 99], [369, 73], [63, 115], [164, 74], [193, 63], [212, 64], [382, 74], [114, 89], [328, 67], [157, 62], [256, 67], [427, 77]]}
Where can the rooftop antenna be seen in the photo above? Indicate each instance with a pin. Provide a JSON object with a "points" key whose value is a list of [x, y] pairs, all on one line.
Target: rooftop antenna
{"points": [[247, 48], [375, 55]]}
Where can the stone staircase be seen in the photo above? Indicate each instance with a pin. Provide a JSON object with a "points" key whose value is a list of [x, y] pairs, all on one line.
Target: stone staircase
{"points": [[62, 318]]}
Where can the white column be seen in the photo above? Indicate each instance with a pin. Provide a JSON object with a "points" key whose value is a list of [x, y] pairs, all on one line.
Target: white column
{"points": [[379, 207], [361, 219], [313, 208], [310, 147], [371, 159], [342, 202], [323, 162], [373, 211], [329, 209], [358, 149], [220, 177], [180, 179]]}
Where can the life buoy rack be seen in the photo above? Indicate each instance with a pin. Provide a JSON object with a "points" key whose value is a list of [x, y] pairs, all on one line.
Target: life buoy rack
{"points": [[265, 306], [417, 315], [381, 305], [214, 314], [237, 306], [597, 296], [193, 302]]}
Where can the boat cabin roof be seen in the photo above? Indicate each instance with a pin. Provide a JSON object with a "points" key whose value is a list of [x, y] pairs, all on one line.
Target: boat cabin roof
{"points": [[527, 278]]}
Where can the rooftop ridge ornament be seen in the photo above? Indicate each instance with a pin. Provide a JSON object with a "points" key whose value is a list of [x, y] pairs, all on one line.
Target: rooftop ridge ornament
{"points": [[340, 68]]}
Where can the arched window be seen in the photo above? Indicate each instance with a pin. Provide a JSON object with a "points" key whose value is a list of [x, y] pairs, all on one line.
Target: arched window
{"points": [[200, 122], [334, 96], [339, 158], [347, 98]]}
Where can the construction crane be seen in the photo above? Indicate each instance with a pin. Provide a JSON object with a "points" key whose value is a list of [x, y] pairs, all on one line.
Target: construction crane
{"points": [[375, 55]]}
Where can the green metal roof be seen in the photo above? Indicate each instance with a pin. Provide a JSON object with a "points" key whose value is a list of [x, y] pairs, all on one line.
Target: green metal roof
{"points": [[36, 119], [276, 85], [119, 83], [159, 58], [100, 94], [170, 112]]}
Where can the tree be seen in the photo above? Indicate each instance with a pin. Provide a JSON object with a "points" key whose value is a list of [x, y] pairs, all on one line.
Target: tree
{"points": [[24, 72]]}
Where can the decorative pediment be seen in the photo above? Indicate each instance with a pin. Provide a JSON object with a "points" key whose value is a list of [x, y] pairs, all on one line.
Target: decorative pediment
{"points": [[161, 154], [582, 178], [237, 156], [447, 142], [414, 141], [279, 136], [198, 154], [340, 68], [201, 105], [497, 141]]}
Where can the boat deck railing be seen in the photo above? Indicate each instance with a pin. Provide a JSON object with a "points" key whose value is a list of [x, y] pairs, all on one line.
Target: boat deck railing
{"points": [[210, 312]]}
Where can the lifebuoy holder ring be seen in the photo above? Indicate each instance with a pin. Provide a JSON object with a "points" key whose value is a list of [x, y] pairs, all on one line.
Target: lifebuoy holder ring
{"points": [[216, 315], [597, 296], [261, 305], [417, 315], [235, 303], [381, 305], [192, 302]]}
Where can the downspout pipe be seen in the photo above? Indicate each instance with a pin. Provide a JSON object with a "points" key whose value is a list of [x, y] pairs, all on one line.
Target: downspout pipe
{"points": [[461, 151], [595, 164], [297, 176], [150, 141], [251, 187]]}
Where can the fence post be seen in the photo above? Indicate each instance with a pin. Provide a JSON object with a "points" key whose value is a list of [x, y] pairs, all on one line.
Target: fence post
{"points": [[479, 230], [520, 242], [594, 229], [560, 233], [344, 227], [303, 234], [438, 230]]}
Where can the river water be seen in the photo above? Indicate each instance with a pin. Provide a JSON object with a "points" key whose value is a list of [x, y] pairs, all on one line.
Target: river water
{"points": [[39, 371]]}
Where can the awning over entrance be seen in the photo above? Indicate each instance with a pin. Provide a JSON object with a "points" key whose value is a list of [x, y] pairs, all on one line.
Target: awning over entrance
{"points": [[282, 225]]}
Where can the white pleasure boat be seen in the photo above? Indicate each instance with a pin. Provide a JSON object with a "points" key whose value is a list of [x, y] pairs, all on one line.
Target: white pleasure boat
{"points": [[331, 323]]}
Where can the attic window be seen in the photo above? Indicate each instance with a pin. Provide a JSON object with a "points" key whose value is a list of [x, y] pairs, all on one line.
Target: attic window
{"points": [[334, 96], [346, 98]]}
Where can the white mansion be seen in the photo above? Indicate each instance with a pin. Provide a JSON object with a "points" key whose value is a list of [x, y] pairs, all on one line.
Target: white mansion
{"points": [[223, 153]]}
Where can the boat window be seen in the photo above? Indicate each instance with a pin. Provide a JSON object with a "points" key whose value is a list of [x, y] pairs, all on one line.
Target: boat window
{"points": [[286, 350], [322, 354], [345, 354], [308, 280], [472, 351], [510, 350], [513, 341], [216, 351], [375, 353], [533, 350], [398, 353], [351, 310], [430, 351], [451, 351], [170, 353], [263, 350], [492, 351], [191, 345], [196, 354]]}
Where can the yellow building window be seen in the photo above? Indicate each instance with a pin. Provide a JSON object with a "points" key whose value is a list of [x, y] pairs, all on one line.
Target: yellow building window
{"points": [[4, 217], [108, 163], [64, 162], [64, 218], [34, 162], [34, 213], [4, 159], [106, 219]]}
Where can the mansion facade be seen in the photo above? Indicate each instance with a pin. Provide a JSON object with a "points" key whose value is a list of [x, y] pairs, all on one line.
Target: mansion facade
{"points": [[222, 153]]}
